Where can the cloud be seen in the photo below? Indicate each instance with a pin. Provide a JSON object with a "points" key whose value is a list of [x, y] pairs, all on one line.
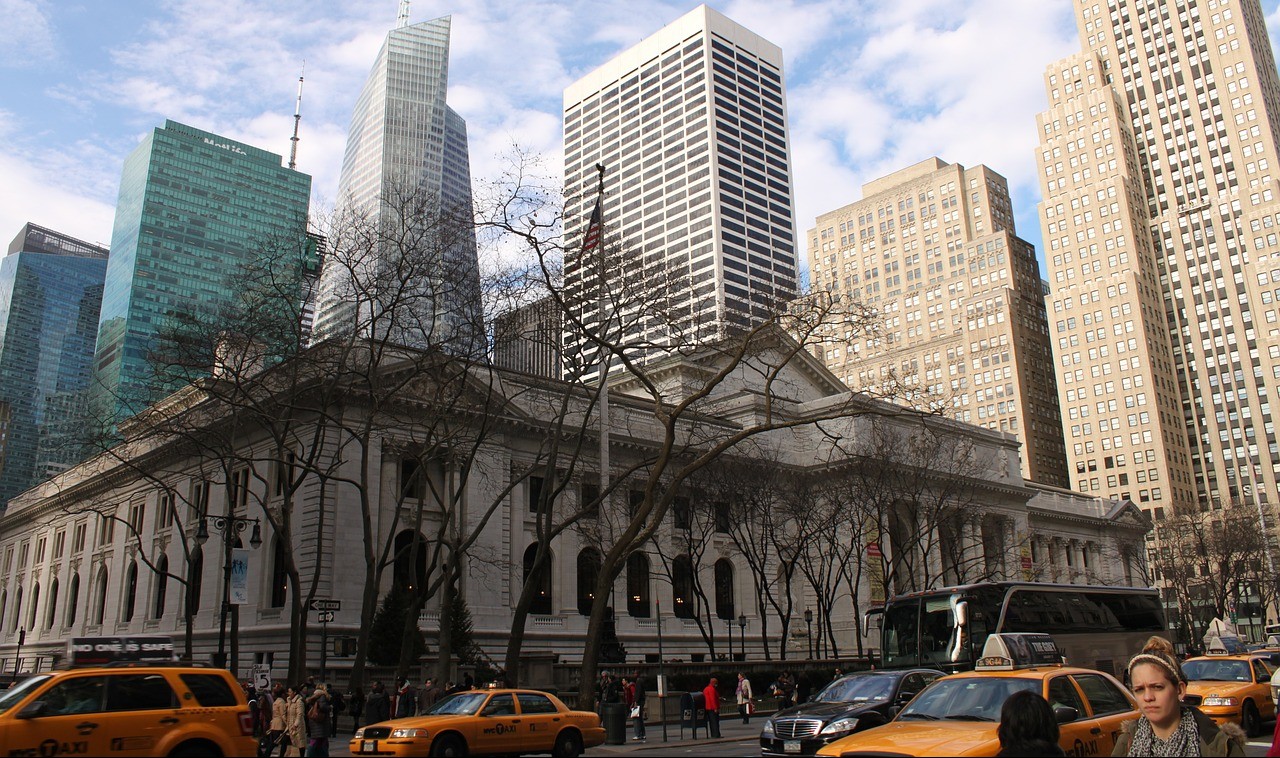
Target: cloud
{"points": [[26, 36]]}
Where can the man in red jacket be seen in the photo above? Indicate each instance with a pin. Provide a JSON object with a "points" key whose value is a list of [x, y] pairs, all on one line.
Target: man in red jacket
{"points": [[712, 697]]}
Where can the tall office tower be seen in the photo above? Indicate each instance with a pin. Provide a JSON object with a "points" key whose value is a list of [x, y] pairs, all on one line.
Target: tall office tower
{"points": [[691, 127], [962, 329], [50, 294], [1157, 158], [194, 208], [407, 171]]}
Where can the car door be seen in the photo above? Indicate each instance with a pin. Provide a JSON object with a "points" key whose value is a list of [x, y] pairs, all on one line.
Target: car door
{"points": [[540, 720], [1262, 678], [499, 722], [1081, 735], [143, 708], [1110, 707], [72, 721]]}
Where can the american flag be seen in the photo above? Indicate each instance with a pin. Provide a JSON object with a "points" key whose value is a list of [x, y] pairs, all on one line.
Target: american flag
{"points": [[591, 240]]}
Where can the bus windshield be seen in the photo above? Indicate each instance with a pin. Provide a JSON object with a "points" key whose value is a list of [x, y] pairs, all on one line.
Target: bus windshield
{"points": [[919, 632]]}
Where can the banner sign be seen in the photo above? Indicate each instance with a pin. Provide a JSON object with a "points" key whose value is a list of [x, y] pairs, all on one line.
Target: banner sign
{"points": [[99, 651], [240, 576]]}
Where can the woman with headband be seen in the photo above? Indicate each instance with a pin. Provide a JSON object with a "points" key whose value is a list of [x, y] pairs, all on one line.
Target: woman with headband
{"points": [[1166, 726]]}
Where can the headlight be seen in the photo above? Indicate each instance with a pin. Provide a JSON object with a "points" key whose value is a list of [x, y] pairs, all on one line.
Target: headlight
{"points": [[359, 735], [767, 729], [1227, 701], [408, 733], [840, 725]]}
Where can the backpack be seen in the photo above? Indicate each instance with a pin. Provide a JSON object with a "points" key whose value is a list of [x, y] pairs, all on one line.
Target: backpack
{"points": [[339, 704]]}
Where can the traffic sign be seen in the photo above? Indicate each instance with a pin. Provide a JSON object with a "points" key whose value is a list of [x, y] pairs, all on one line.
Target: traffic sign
{"points": [[326, 605], [325, 617], [262, 676]]}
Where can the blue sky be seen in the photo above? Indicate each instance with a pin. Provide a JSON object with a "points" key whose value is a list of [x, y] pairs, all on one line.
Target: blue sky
{"points": [[872, 85]]}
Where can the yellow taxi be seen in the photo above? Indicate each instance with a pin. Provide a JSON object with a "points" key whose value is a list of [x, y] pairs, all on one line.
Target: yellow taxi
{"points": [[141, 709], [485, 722], [1232, 688], [959, 714]]}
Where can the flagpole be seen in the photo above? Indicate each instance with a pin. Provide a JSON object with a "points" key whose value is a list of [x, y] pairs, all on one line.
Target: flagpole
{"points": [[603, 327]]}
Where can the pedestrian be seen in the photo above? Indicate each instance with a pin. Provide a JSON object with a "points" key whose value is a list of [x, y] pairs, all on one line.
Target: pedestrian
{"points": [[295, 723], [377, 707], [428, 696], [337, 706], [263, 715], [1166, 727], [785, 690], [641, 695], [279, 712], [318, 714], [451, 689], [628, 692], [743, 695], [355, 703], [407, 700], [1028, 727], [468, 681], [711, 698]]}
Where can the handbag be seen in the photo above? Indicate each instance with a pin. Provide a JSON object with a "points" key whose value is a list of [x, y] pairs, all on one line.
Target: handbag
{"points": [[751, 707], [635, 712], [314, 713]]}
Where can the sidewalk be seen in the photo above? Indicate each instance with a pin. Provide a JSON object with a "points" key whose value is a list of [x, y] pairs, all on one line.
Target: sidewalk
{"points": [[731, 730]]}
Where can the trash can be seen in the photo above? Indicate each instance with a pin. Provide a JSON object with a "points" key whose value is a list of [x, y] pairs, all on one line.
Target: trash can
{"points": [[693, 712], [614, 718]]}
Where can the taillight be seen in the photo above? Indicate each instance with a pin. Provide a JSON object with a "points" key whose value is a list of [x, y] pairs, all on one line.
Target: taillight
{"points": [[246, 723]]}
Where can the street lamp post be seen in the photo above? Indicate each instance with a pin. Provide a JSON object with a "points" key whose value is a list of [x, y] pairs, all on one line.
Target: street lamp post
{"points": [[742, 629], [728, 627], [662, 671], [229, 526], [808, 630]]}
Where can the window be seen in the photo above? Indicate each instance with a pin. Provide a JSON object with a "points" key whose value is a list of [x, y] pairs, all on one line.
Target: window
{"points": [[285, 473], [51, 610], [77, 539], [106, 529], [682, 587], [535, 494], [73, 600], [165, 513], [130, 591], [279, 576], [139, 692], [17, 609], [722, 517], [1103, 696], [137, 513], [35, 605], [682, 513], [238, 490], [211, 690], [724, 589], [200, 496], [589, 561], [531, 703], [59, 544], [1061, 692], [100, 598], [162, 587], [638, 585], [500, 705], [541, 580], [195, 581], [589, 494], [82, 694], [412, 479]]}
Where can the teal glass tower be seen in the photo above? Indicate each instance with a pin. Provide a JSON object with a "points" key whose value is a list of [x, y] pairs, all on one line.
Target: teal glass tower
{"points": [[194, 208], [50, 295]]}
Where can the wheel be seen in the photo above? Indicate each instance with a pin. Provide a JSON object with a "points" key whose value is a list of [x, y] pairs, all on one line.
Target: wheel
{"points": [[449, 745], [195, 750], [1250, 721], [568, 745]]}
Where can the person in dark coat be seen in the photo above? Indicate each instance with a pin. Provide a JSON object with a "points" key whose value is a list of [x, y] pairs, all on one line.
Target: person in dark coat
{"points": [[377, 707], [355, 704], [1028, 727], [641, 695]]}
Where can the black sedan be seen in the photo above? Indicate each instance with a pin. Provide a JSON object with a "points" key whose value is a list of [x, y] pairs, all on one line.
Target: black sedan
{"points": [[852, 703]]}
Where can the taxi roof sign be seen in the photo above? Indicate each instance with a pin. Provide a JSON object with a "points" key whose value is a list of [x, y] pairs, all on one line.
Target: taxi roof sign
{"points": [[102, 651], [1007, 651]]}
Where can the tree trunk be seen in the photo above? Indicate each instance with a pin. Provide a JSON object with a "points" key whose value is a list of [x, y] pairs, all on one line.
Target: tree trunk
{"points": [[448, 591]]}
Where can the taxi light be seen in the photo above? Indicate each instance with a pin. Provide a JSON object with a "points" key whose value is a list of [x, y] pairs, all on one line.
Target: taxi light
{"points": [[246, 723], [1227, 701], [408, 733], [995, 662]]}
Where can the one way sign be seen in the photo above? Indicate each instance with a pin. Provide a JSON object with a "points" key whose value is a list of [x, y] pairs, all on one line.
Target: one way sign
{"points": [[326, 605]]}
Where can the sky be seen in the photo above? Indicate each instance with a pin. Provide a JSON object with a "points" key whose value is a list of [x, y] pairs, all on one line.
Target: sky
{"points": [[872, 86]]}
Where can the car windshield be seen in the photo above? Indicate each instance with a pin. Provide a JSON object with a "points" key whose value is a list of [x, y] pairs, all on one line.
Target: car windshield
{"points": [[1217, 671], [972, 698], [854, 689], [16, 693], [461, 704]]}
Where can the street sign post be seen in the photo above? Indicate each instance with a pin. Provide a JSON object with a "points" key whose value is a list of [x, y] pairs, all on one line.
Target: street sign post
{"points": [[326, 605]]}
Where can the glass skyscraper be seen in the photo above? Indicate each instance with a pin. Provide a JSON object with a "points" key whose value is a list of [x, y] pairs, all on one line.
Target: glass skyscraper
{"points": [[50, 294], [194, 208], [406, 172]]}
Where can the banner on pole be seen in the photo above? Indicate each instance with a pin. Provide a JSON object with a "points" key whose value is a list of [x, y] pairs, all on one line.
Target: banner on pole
{"points": [[240, 576]]}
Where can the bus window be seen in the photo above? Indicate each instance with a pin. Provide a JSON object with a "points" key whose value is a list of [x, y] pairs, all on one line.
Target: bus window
{"points": [[899, 634], [937, 631]]}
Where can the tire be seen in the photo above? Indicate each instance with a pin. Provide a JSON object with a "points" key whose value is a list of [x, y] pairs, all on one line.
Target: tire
{"points": [[195, 750], [568, 745], [449, 746], [1250, 721]]}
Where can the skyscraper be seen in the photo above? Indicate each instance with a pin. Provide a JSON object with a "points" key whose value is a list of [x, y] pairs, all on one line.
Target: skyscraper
{"points": [[1157, 160], [50, 294], [193, 209], [932, 249], [406, 169], [691, 127]]}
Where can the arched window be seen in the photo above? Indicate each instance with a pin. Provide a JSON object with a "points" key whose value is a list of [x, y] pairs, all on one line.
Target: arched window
{"points": [[724, 589], [73, 599], [541, 581], [682, 587], [589, 561], [4, 603], [195, 581], [35, 606], [100, 597], [406, 551], [638, 585], [279, 577], [51, 607], [17, 609], [162, 587], [130, 591]]}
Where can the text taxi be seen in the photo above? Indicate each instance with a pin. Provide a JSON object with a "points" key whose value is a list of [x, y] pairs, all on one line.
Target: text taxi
{"points": [[959, 714], [129, 708], [485, 722], [1232, 688]]}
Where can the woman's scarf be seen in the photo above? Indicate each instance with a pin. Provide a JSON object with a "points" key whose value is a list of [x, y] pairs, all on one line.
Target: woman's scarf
{"points": [[1185, 740]]}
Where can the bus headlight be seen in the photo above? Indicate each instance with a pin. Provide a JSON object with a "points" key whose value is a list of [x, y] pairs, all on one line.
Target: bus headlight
{"points": [[1230, 702], [840, 725]]}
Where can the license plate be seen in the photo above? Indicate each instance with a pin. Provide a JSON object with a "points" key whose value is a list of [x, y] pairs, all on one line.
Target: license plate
{"points": [[368, 746], [791, 746]]}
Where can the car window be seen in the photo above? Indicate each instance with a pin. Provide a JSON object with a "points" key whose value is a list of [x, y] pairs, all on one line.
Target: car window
{"points": [[19, 691], [1103, 696], [211, 690], [530, 703], [139, 692], [1061, 692], [1260, 671], [82, 694], [500, 705], [912, 683]]}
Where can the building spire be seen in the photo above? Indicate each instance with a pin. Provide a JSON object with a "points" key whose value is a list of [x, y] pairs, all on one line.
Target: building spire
{"points": [[402, 18], [297, 120]]}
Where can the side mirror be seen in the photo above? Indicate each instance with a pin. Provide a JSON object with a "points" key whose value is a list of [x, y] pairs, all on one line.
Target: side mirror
{"points": [[1065, 714], [33, 710], [866, 619]]}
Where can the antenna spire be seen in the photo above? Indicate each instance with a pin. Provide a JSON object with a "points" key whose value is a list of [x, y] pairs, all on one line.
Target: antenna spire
{"points": [[402, 18], [297, 120]]}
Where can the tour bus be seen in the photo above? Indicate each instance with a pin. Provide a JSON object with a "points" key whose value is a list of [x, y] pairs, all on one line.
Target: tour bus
{"points": [[1095, 627]]}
